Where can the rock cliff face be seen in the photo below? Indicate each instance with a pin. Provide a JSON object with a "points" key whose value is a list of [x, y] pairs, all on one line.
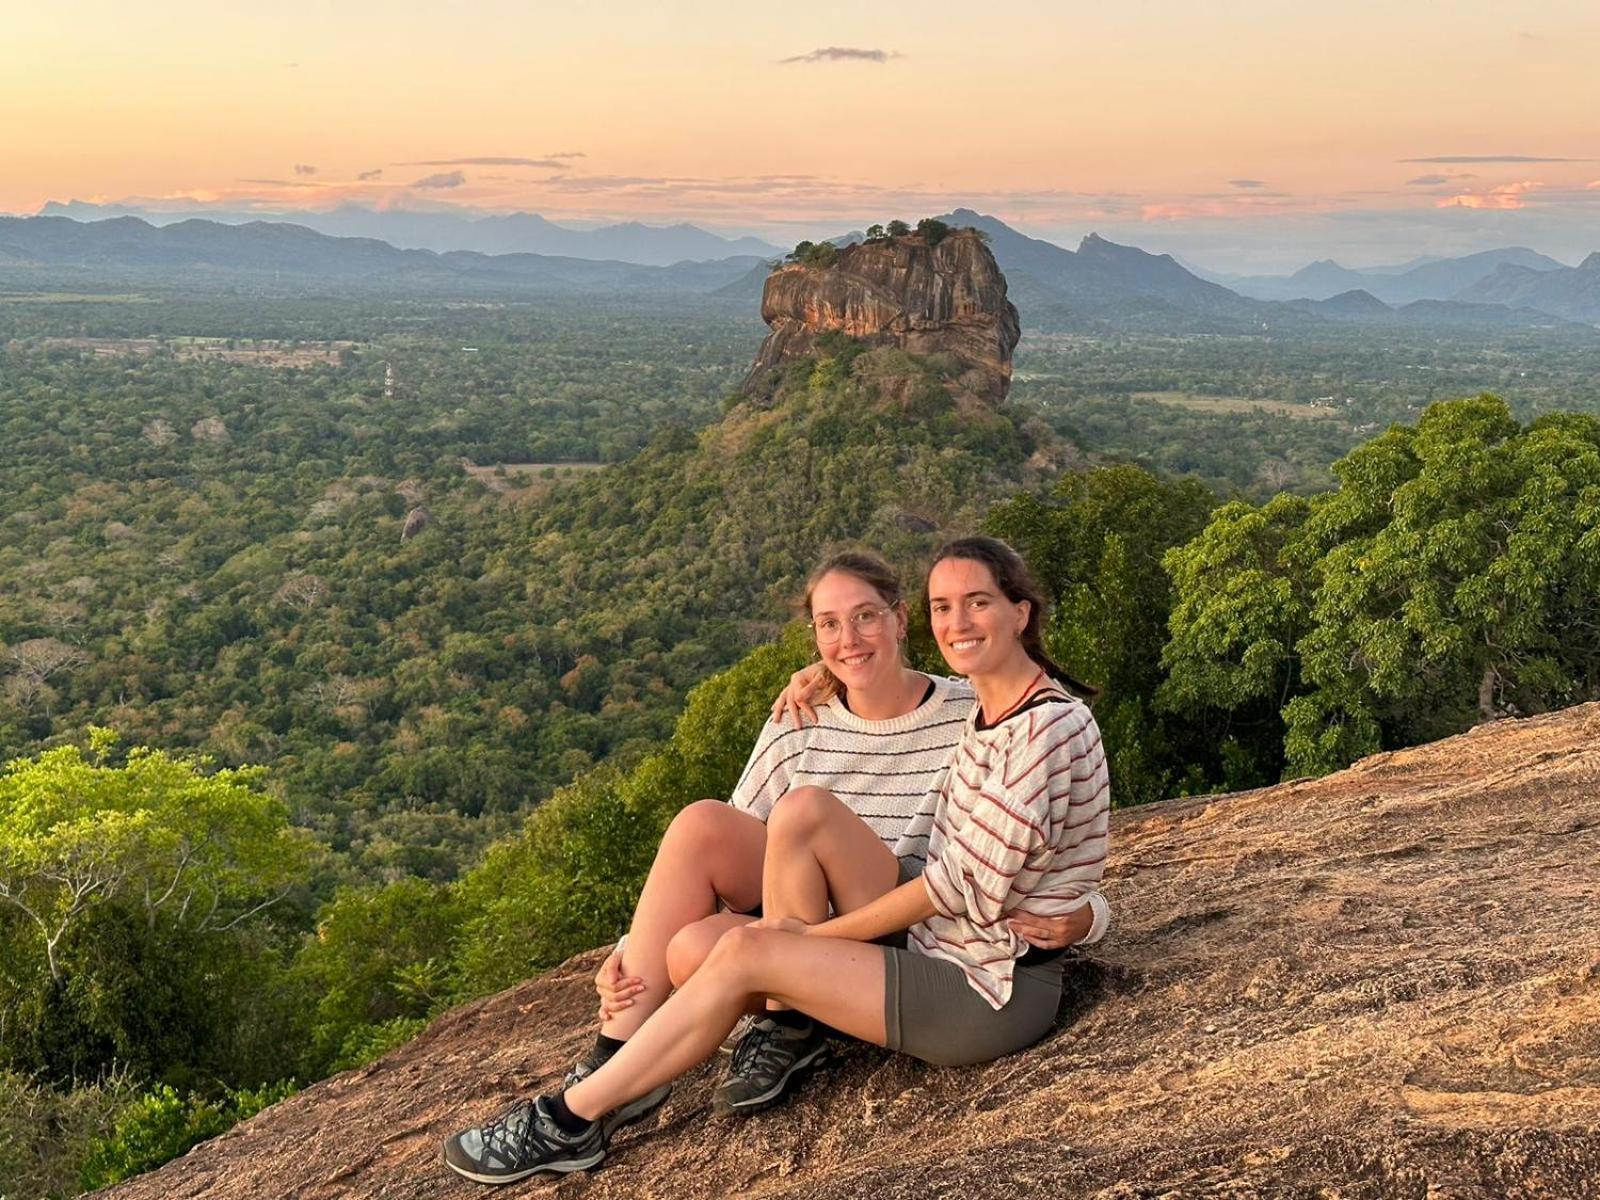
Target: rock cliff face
{"points": [[1382, 984], [943, 299]]}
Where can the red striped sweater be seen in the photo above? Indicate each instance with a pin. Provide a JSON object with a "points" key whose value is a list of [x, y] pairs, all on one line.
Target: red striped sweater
{"points": [[1021, 823]]}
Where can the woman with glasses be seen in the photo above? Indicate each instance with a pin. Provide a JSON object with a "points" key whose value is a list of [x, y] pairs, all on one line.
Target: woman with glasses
{"points": [[1016, 836]]}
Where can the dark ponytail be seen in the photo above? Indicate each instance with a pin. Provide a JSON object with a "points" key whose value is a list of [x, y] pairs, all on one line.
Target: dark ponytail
{"points": [[1017, 584]]}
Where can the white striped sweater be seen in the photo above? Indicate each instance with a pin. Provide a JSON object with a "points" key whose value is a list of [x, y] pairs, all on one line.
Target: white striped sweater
{"points": [[1021, 824], [889, 773]]}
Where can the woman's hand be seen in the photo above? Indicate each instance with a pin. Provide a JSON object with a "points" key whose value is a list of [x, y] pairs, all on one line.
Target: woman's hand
{"points": [[785, 924], [1051, 933], [616, 990], [808, 687]]}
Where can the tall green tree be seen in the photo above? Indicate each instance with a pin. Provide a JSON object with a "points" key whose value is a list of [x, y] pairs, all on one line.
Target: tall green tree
{"points": [[1096, 544], [1450, 579]]}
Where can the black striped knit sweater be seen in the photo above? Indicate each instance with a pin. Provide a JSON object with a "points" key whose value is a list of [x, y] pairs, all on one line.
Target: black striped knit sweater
{"points": [[888, 772]]}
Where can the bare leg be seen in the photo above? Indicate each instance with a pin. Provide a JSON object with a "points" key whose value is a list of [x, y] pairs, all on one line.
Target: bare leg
{"points": [[837, 981], [711, 851], [692, 945], [819, 851]]}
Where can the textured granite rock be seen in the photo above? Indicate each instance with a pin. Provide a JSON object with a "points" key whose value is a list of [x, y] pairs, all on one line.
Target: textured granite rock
{"points": [[1384, 983], [929, 300]]}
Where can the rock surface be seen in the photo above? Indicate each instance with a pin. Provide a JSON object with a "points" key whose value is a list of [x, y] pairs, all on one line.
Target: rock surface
{"points": [[944, 299], [1384, 983]]}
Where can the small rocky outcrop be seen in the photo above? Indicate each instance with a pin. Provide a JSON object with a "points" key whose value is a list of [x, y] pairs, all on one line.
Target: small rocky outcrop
{"points": [[948, 298], [1381, 985], [417, 520]]}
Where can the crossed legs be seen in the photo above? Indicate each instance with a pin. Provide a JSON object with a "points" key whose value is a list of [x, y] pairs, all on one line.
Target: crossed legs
{"points": [[711, 852], [818, 853]]}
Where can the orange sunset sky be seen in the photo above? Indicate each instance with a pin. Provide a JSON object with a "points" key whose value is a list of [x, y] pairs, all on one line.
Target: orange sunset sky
{"points": [[1239, 134]]}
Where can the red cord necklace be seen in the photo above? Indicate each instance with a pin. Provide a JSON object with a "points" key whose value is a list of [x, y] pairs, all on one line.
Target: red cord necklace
{"points": [[1021, 700]]}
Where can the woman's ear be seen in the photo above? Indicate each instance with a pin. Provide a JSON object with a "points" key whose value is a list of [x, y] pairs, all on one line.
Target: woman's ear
{"points": [[1026, 607]]}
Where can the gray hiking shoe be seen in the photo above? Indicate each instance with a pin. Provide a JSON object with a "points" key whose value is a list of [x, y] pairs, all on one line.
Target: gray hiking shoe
{"points": [[634, 1110], [766, 1062], [522, 1141]]}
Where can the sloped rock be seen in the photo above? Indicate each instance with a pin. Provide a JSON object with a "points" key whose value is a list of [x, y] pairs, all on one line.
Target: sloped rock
{"points": [[1384, 983], [948, 298]]}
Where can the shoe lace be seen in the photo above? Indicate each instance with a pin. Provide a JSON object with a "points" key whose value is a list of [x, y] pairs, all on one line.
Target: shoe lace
{"points": [[759, 1050], [509, 1134]]}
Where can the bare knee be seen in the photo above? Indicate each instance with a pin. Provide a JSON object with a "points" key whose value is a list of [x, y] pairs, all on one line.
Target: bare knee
{"points": [[697, 827], [690, 947], [741, 954], [801, 813]]}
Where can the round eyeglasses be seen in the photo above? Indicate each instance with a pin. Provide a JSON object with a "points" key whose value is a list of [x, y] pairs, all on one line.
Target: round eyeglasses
{"points": [[867, 622]]}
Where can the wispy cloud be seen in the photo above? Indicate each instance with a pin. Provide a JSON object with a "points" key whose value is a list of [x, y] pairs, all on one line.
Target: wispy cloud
{"points": [[447, 179], [1247, 183], [285, 183], [1427, 180], [843, 54], [1491, 158], [567, 154], [304, 169], [1505, 197], [550, 164], [369, 176]]}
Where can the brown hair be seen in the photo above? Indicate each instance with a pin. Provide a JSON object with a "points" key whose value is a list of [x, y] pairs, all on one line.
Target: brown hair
{"points": [[865, 566], [1017, 584]]}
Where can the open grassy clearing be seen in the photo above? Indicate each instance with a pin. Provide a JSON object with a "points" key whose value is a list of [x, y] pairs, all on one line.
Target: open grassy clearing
{"points": [[233, 350], [73, 298], [1235, 404]]}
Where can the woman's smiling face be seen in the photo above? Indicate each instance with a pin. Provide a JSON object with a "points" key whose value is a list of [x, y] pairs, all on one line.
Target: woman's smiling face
{"points": [[977, 628], [857, 660]]}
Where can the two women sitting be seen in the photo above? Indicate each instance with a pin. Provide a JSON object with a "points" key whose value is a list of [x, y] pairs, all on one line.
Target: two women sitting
{"points": [[906, 870]]}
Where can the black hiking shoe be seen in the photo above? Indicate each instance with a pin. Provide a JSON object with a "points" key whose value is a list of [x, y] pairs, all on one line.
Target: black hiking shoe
{"points": [[766, 1062], [634, 1110], [731, 1042], [522, 1141]]}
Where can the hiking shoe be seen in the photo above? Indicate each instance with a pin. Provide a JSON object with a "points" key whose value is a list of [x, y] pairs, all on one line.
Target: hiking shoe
{"points": [[731, 1042], [769, 1058], [522, 1141], [633, 1110]]}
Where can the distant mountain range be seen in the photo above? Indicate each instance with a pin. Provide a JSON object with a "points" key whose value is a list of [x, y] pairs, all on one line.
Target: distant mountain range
{"points": [[1099, 286], [1571, 292], [513, 233], [199, 248], [1423, 279]]}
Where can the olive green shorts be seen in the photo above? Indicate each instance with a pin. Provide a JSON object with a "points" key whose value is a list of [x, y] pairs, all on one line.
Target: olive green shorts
{"points": [[931, 1012]]}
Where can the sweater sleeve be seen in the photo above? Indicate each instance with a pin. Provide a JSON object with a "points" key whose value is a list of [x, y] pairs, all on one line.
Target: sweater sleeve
{"points": [[1007, 830], [768, 774]]}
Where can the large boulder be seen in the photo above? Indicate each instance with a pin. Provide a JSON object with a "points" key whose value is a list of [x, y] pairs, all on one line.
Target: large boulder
{"points": [[948, 298], [1384, 983]]}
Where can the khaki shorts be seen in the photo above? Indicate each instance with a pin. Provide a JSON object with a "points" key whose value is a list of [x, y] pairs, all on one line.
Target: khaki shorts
{"points": [[931, 1012]]}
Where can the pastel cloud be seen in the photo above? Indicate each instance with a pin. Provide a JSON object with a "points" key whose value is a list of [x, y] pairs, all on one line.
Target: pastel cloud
{"points": [[1490, 158], [304, 169], [1246, 183], [1505, 197], [445, 179], [549, 164], [843, 54]]}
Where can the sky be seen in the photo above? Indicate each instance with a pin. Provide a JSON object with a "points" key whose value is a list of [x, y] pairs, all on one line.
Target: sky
{"points": [[1241, 135]]}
